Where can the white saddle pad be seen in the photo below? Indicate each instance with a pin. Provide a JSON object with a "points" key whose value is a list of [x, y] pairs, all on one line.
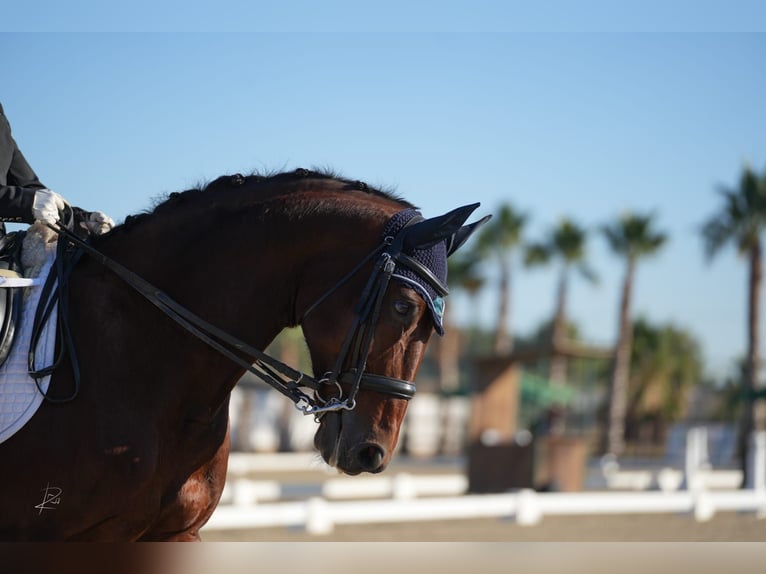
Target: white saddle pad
{"points": [[19, 396]]}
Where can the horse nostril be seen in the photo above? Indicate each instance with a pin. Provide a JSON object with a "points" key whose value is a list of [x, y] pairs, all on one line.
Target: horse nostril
{"points": [[370, 457]]}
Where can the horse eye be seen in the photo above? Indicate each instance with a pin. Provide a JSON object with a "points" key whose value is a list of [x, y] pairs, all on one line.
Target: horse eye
{"points": [[402, 307]]}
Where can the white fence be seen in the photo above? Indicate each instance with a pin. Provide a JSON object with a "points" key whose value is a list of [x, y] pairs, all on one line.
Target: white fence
{"points": [[320, 516], [697, 473], [320, 513], [244, 491]]}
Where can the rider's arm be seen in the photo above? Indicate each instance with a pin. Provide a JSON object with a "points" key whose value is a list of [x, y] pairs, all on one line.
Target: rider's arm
{"points": [[18, 181], [24, 199]]}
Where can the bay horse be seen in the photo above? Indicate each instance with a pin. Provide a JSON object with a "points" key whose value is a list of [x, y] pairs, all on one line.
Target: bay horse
{"points": [[168, 310]]}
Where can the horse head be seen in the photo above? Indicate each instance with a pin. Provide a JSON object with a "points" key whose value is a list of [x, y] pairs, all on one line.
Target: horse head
{"points": [[368, 333], [362, 272]]}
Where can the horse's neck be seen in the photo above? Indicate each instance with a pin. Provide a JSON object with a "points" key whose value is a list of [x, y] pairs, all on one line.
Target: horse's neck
{"points": [[245, 274], [243, 278], [224, 276], [237, 288]]}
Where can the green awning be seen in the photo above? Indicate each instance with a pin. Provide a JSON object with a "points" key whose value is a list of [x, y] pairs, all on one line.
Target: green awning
{"points": [[540, 392]]}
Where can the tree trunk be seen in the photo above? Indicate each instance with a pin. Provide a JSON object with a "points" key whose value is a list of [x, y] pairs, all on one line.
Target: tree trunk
{"points": [[754, 413], [503, 340], [558, 365], [448, 357], [618, 390]]}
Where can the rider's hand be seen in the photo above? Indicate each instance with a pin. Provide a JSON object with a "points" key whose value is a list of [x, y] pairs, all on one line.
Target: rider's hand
{"points": [[98, 223], [47, 205]]}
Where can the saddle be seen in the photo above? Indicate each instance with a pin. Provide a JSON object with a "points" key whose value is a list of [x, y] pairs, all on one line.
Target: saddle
{"points": [[12, 266], [11, 298]]}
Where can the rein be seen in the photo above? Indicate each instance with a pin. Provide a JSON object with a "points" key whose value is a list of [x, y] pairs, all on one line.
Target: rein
{"points": [[277, 374]]}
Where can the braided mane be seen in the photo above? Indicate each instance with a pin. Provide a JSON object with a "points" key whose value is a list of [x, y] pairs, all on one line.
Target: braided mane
{"points": [[285, 182]]}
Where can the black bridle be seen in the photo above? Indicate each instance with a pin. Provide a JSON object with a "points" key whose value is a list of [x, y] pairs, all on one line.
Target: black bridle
{"points": [[282, 377]]}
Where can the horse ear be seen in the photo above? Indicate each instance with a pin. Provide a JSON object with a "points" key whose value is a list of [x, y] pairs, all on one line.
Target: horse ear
{"points": [[462, 234], [428, 232]]}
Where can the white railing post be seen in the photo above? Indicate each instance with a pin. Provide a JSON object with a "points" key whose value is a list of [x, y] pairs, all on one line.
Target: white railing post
{"points": [[318, 519], [695, 457], [704, 509], [528, 512], [403, 487], [243, 493], [756, 479]]}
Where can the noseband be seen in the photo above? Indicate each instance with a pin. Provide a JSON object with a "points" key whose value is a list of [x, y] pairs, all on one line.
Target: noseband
{"points": [[356, 346], [282, 377]]}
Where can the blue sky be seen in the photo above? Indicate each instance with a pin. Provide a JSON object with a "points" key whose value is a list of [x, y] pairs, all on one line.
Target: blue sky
{"points": [[412, 16], [580, 124]]}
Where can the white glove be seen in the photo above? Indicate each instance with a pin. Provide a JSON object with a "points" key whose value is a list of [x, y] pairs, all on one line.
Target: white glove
{"points": [[98, 223], [46, 206]]}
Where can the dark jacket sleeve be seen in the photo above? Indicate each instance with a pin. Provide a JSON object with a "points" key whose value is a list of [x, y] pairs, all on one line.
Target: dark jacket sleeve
{"points": [[18, 182]]}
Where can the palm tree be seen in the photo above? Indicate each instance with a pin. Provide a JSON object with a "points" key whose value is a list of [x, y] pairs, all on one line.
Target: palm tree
{"points": [[499, 239], [463, 274], [741, 221], [666, 361], [567, 245], [631, 238]]}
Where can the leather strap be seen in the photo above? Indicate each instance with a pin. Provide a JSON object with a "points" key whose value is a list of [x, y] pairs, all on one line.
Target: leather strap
{"points": [[280, 376], [424, 272], [387, 385]]}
